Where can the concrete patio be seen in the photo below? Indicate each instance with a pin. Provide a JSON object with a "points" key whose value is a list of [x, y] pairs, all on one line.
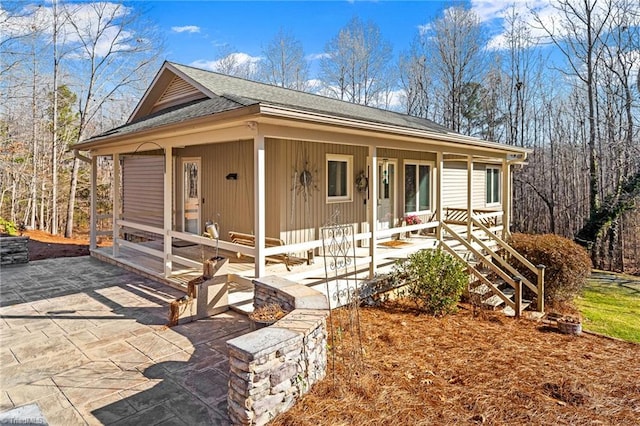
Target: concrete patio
{"points": [[87, 343]]}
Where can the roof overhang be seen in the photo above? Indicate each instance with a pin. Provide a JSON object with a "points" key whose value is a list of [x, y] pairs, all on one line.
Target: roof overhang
{"points": [[449, 139], [278, 115]]}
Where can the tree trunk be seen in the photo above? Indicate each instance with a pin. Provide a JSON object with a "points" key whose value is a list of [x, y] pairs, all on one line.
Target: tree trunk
{"points": [[54, 142], [68, 232], [611, 210]]}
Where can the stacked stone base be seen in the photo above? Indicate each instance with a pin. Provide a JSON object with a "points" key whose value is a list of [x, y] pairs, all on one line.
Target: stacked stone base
{"points": [[13, 250], [273, 367]]}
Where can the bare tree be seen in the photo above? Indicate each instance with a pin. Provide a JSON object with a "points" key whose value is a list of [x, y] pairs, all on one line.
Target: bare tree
{"points": [[455, 45], [116, 52], [54, 131], [578, 33], [232, 62], [356, 63], [416, 81], [284, 64]]}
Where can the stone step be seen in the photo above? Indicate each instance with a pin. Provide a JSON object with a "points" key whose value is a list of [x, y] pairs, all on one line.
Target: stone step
{"points": [[481, 290], [493, 302], [508, 291], [510, 312]]}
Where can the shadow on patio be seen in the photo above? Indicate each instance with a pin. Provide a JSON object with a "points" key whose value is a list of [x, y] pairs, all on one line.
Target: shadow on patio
{"points": [[87, 341]]}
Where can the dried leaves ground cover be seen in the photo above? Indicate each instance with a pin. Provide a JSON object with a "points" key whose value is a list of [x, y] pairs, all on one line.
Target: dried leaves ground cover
{"points": [[462, 369], [43, 245]]}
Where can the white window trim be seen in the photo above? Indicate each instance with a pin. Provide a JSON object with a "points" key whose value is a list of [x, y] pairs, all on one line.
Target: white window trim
{"points": [[432, 177], [349, 160], [493, 203]]}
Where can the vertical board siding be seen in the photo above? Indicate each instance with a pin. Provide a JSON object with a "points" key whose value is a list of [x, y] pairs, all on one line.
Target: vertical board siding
{"points": [[303, 211], [143, 189], [227, 202], [295, 213], [454, 182]]}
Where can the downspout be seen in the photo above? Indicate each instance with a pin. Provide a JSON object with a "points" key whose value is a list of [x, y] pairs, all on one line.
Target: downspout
{"points": [[76, 154]]}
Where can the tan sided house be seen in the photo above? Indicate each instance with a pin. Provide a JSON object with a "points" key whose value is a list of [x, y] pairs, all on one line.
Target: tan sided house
{"points": [[273, 166]]}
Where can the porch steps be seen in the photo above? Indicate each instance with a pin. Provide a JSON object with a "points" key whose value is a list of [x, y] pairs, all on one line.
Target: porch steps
{"points": [[482, 266]]}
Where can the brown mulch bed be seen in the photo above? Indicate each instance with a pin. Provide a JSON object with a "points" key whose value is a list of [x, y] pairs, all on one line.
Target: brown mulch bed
{"points": [[43, 245], [466, 369]]}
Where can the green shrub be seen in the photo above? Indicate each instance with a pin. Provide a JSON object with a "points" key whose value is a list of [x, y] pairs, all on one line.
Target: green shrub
{"points": [[8, 227], [567, 265], [435, 280]]}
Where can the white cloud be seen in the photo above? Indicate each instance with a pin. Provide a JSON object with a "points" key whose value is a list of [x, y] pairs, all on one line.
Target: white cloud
{"points": [[236, 59], [186, 29], [488, 10], [424, 28], [314, 85], [89, 20], [396, 100], [316, 56], [496, 12]]}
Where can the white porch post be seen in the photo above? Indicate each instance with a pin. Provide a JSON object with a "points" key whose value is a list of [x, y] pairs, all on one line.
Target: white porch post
{"points": [[506, 198], [469, 195], [94, 203], [116, 204], [168, 209], [372, 204], [259, 207], [439, 215]]}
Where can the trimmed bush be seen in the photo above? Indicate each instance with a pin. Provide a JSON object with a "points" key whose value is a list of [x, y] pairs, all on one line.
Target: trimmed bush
{"points": [[435, 280], [567, 264], [8, 227]]}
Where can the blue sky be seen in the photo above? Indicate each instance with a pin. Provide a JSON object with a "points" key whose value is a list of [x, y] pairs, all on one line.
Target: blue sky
{"points": [[195, 31]]}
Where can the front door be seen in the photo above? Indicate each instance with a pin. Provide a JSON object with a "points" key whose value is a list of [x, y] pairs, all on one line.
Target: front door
{"points": [[191, 195], [386, 193]]}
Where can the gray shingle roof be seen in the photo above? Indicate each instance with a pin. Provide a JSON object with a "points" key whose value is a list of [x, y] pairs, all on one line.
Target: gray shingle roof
{"points": [[233, 93], [176, 114], [224, 85]]}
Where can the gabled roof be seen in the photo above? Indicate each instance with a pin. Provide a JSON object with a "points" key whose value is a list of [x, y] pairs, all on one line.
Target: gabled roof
{"points": [[209, 93], [180, 94], [251, 91]]}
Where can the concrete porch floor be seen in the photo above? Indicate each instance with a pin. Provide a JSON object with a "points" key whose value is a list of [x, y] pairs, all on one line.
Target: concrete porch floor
{"points": [[86, 341]]}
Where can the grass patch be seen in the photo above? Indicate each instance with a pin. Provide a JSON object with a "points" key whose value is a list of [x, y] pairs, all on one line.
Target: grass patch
{"points": [[610, 304]]}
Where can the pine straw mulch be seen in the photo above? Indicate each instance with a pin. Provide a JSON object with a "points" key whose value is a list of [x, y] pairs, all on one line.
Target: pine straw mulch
{"points": [[466, 369], [43, 245]]}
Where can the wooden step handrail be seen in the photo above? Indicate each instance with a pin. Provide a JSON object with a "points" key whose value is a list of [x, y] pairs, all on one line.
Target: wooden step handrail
{"points": [[537, 270], [508, 279], [505, 246], [505, 264], [480, 276]]}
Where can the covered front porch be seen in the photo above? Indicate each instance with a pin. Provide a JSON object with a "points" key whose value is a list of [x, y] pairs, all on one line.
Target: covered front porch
{"points": [[256, 174], [188, 251]]}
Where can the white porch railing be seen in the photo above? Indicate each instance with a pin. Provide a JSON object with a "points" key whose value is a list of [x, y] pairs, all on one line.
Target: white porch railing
{"points": [[364, 261]]}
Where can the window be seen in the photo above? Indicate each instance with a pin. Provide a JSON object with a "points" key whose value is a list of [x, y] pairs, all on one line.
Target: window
{"points": [[493, 185], [339, 177], [417, 187]]}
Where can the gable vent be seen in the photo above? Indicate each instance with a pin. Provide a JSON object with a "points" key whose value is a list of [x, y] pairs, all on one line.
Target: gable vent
{"points": [[178, 91]]}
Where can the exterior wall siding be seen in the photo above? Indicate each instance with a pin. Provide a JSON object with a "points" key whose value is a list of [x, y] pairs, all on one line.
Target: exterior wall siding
{"points": [[228, 202], [302, 211], [143, 189], [454, 182], [295, 213], [479, 186]]}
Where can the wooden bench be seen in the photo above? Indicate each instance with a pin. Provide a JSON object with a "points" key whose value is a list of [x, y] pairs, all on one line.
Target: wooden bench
{"points": [[250, 241]]}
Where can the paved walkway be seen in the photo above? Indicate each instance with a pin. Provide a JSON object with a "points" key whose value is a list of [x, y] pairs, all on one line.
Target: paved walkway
{"points": [[86, 342]]}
